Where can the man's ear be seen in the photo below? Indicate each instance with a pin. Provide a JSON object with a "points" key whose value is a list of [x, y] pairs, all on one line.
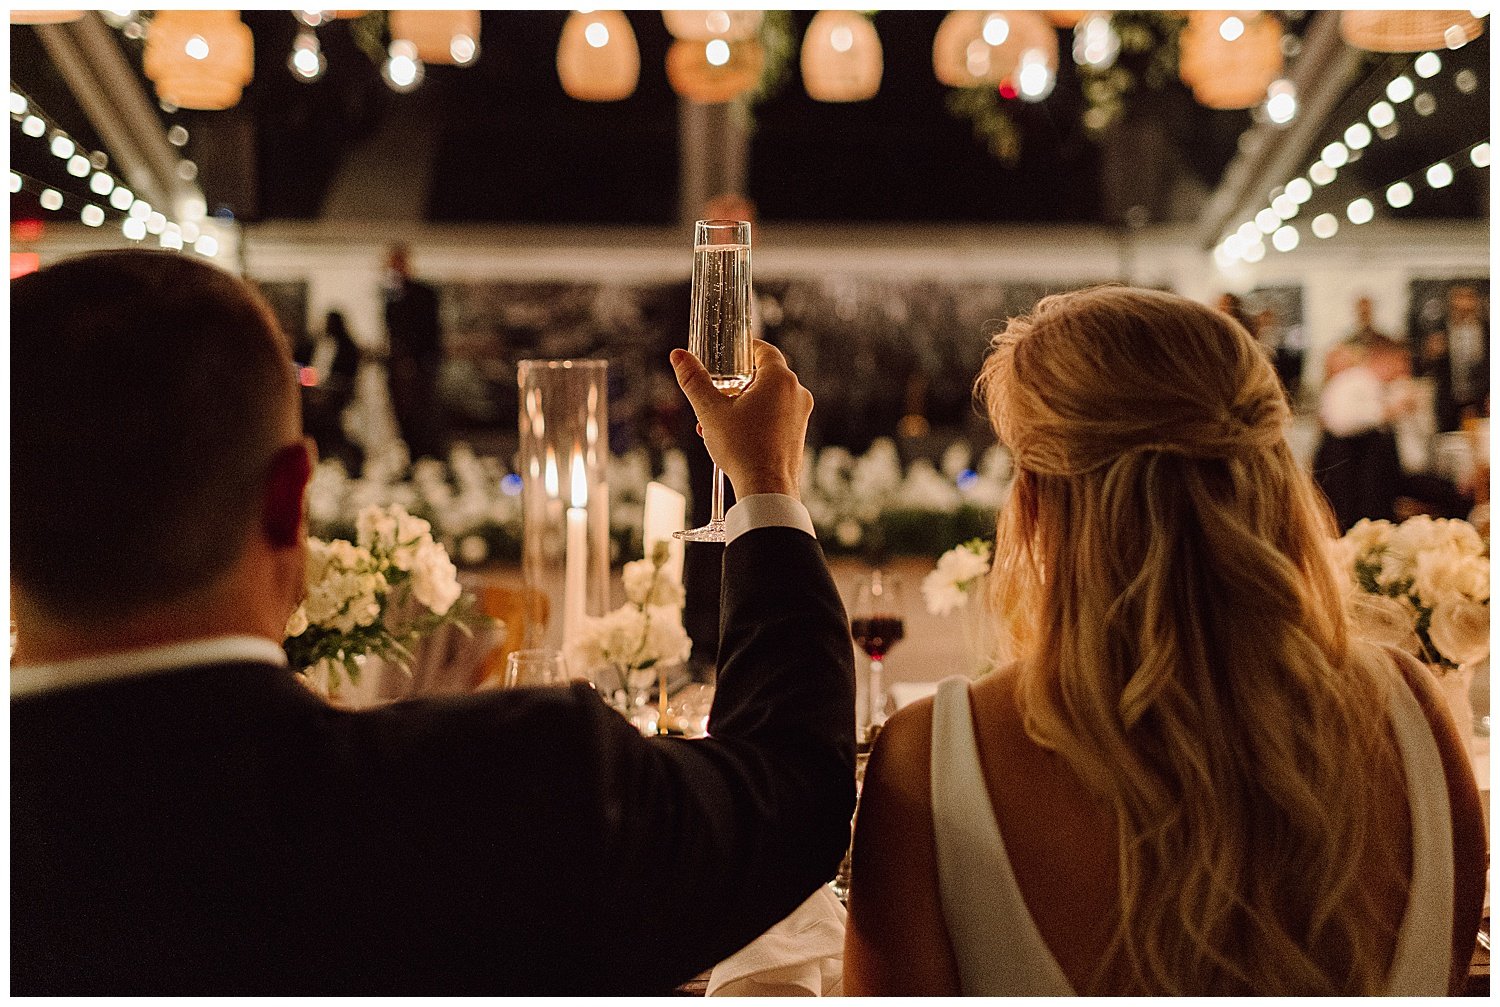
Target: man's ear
{"points": [[286, 484]]}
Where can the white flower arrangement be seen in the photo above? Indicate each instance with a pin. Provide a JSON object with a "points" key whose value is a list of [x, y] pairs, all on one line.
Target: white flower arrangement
{"points": [[641, 634], [959, 571], [1422, 585], [374, 597]]}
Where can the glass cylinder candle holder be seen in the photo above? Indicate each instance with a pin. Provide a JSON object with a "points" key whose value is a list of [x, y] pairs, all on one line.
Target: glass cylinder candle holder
{"points": [[564, 458]]}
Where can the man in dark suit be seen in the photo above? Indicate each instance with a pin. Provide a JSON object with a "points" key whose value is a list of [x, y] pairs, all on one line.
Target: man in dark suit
{"points": [[187, 818], [1458, 358], [416, 357]]}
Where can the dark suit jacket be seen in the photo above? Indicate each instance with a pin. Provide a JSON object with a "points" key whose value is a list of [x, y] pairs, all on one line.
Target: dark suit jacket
{"points": [[1448, 409], [221, 830]]}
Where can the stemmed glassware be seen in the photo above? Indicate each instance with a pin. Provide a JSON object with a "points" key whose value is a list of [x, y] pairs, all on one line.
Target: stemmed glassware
{"points": [[877, 624], [719, 330]]}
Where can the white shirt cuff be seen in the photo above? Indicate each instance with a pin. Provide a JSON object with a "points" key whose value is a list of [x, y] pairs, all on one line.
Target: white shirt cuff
{"points": [[766, 510]]}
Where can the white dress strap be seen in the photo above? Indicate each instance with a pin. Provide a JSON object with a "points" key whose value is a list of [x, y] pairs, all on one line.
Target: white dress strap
{"points": [[1424, 944], [995, 941]]}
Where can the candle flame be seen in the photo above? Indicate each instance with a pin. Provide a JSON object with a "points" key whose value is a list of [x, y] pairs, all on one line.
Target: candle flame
{"points": [[580, 483]]}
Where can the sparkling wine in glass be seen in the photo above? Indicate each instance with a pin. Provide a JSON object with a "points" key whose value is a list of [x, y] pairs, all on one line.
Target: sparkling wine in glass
{"points": [[877, 624], [719, 330]]}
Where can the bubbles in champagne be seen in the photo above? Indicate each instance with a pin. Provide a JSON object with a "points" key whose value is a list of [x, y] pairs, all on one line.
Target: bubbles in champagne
{"points": [[719, 328]]}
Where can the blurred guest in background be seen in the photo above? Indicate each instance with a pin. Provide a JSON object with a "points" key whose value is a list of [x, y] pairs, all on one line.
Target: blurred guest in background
{"points": [[1284, 345], [1358, 465], [1365, 333], [335, 363], [1458, 357], [416, 355]]}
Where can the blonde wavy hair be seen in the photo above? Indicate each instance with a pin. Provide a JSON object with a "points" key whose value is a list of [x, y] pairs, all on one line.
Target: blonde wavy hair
{"points": [[1161, 574]]}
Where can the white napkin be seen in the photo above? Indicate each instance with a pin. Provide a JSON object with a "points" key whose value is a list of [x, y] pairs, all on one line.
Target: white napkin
{"points": [[803, 955]]}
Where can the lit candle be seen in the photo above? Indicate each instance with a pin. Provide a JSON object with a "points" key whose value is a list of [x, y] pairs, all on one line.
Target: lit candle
{"points": [[575, 559], [666, 512]]}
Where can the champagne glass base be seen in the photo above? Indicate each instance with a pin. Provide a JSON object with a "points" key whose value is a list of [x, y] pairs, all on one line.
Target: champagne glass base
{"points": [[711, 532]]}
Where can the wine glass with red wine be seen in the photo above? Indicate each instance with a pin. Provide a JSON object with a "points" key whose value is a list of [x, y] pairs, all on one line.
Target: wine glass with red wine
{"points": [[877, 623]]}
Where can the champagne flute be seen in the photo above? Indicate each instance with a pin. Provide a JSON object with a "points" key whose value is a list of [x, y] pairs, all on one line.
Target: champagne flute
{"points": [[877, 625], [719, 330]]}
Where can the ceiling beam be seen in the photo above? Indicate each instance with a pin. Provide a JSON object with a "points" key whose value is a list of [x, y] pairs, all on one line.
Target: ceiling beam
{"points": [[1270, 155], [110, 94]]}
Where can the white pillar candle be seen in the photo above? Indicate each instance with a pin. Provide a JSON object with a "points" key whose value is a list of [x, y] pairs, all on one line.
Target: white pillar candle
{"points": [[575, 558], [666, 512]]}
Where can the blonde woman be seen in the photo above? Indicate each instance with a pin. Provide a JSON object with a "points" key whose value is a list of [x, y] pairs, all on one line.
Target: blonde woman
{"points": [[1191, 780]]}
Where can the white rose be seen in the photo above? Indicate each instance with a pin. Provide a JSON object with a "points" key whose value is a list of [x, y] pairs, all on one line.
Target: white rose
{"points": [[942, 595], [434, 578], [1383, 620], [666, 640], [1368, 535], [645, 586], [962, 564], [1460, 630], [1471, 578], [1463, 537], [296, 624], [375, 527]]}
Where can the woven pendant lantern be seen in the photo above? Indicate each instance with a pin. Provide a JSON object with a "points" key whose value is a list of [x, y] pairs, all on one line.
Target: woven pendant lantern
{"points": [[694, 74], [1066, 18], [200, 59], [598, 58], [703, 25], [442, 37], [1230, 73], [1408, 30], [841, 57], [983, 47], [44, 16]]}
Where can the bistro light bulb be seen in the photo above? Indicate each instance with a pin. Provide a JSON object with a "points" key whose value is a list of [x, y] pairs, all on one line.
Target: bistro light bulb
{"points": [[33, 126], [1480, 155], [1357, 136], [716, 52], [1231, 28], [134, 229], [17, 104], [1325, 225], [171, 237], [1267, 220], [62, 147], [140, 209], [206, 245], [463, 49], [101, 183], [1255, 251], [156, 223], [1439, 175], [1335, 155], [1095, 41], [78, 166], [196, 47], [1400, 89], [1248, 232], [841, 38], [1429, 64], [51, 199], [597, 34], [1034, 79], [1285, 239], [92, 215], [121, 198], [1281, 102], [1285, 206], [15, 182], [1381, 114], [996, 29], [1361, 211], [402, 71], [1399, 195], [1300, 189]]}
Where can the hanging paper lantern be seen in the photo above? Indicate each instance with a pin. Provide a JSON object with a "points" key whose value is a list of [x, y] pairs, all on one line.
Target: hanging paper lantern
{"points": [[200, 59], [597, 58], [44, 16], [715, 71], [841, 57], [703, 25], [984, 47], [1066, 18], [1230, 58], [446, 37], [1408, 30]]}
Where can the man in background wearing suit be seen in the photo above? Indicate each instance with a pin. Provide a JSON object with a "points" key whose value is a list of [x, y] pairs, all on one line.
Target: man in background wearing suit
{"points": [[416, 358], [187, 818], [1458, 358]]}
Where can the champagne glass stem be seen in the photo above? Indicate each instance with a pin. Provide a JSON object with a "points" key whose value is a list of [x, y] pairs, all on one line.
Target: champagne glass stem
{"points": [[717, 500]]}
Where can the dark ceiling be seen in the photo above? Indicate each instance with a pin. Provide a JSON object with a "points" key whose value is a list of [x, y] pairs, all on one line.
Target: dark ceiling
{"points": [[512, 147]]}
